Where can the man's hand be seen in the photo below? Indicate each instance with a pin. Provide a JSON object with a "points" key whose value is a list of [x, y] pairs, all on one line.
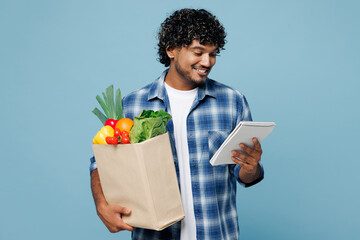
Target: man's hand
{"points": [[249, 161], [109, 214], [111, 217]]}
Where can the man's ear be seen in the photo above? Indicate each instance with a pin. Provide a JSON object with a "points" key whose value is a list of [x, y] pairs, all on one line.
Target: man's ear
{"points": [[170, 52]]}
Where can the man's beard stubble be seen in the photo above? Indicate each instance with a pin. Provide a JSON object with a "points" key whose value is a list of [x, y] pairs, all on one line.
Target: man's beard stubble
{"points": [[187, 76]]}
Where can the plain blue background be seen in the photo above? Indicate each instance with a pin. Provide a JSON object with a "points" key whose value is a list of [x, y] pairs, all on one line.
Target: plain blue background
{"points": [[297, 62]]}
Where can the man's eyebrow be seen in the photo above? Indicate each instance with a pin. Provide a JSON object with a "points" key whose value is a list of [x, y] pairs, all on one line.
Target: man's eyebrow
{"points": [[202, 48], [198, 47]]}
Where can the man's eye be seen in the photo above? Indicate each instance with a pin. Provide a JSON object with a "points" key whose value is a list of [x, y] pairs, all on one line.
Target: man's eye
{"points": [[198, 53]]}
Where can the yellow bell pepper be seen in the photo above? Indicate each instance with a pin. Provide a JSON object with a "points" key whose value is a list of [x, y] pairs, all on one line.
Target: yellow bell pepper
{"points": [[104, 132]]}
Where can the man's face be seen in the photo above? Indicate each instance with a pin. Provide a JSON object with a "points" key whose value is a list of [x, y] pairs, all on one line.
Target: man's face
{"points": [[192, 64]]}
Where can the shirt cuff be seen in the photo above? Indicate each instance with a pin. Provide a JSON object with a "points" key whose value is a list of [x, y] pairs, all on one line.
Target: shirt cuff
{"points": [[261, 177], [93, 165]]}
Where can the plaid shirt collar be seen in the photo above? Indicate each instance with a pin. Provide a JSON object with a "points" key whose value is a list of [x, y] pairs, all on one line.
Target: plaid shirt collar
{"points": [[157, 89]]}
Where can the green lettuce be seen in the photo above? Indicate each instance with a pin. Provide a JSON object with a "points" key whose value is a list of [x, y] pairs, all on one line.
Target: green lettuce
{"points": [[148, 125]]}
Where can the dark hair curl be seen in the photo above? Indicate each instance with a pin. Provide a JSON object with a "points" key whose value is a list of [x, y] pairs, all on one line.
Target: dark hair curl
{"points": [[186, 25]]}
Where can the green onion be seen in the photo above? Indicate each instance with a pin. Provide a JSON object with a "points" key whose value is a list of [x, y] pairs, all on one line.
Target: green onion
{"points": [[103, 105], [100, 115], [118, 104], [112, 110]]}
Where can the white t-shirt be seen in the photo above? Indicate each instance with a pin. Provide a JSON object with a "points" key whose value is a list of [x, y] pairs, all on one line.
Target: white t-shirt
{"points": [[180, 104]]}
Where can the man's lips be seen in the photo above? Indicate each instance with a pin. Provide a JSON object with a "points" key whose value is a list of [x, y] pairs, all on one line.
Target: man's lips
{"points": [[202, 71]]}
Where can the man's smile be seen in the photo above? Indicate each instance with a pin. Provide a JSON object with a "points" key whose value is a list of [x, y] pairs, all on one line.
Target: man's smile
{"points": [[201, 70]]}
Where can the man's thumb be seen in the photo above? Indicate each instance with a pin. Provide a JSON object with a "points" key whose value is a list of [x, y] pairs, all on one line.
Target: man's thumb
{"points": [[122, 210]]}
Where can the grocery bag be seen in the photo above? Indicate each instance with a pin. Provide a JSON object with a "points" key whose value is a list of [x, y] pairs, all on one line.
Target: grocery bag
{"points": [[141, 177]]}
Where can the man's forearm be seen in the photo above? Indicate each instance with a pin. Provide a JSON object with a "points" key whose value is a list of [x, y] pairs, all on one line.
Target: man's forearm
{"points": [[109, 214], [96, 189], [248, 177]]}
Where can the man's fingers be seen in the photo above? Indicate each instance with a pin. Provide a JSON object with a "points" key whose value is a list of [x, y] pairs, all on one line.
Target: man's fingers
{"points": [[246, 148], [254, 152], [107, 223], [238, 161], [112, 218], [248, 167], [245, 158], [121, 225], [125, 226], [122, 210], [257, 145], [110, 226], [240, 156]]}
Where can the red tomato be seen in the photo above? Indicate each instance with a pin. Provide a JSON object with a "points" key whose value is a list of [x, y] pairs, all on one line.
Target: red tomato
{"points": [[115, 141], [125, 140], [108, 140], [112, 140], [117, 132], [124, 134]]}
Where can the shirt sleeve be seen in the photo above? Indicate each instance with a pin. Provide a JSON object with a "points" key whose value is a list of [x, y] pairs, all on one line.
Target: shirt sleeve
{"points": [[245, 115], [243, 109], [92, 164], [261, 177]]}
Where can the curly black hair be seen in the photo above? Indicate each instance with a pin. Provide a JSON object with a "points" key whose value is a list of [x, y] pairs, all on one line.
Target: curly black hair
{"points": [[186, 25]]}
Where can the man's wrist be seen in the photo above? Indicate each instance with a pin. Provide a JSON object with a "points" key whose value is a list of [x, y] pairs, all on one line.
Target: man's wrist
{"points": [[249, 176], [254, 171], [100, 206]]}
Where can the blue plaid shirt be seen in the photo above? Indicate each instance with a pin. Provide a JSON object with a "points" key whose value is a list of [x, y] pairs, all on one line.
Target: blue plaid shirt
{"points": [[216, 111]]}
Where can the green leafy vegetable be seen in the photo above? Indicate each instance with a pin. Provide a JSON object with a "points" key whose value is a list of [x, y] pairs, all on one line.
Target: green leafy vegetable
{"points": [[149, 124], [112, 110]]}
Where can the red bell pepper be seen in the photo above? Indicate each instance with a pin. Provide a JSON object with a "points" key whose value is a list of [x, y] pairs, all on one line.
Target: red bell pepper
{"points": [[111, 122]]}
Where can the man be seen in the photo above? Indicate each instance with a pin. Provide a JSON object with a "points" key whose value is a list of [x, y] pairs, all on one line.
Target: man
{"points": [[203, 113]]}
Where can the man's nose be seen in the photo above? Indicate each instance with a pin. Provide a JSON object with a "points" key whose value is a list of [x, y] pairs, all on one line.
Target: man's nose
{"points": [[205, 60]]}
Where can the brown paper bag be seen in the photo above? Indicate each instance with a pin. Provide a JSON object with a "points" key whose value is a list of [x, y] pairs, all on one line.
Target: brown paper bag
{"points": [[142, 177]]}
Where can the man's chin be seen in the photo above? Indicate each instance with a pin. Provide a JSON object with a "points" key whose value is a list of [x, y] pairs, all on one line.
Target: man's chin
{"points": [[199, 82]]}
